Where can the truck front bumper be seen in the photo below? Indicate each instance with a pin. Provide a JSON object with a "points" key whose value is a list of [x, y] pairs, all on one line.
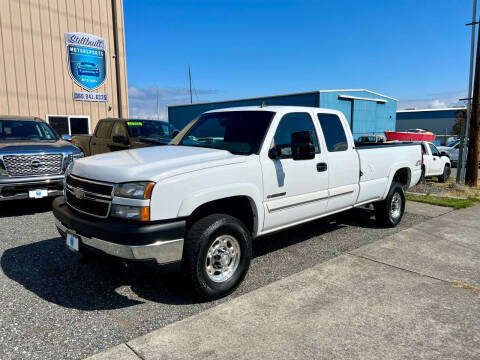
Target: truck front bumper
{"points": [[18, 188], [161, 242]]}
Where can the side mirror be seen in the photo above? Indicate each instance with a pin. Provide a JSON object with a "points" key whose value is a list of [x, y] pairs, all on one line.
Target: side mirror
{"points": [[175, 133], [444, 153], [274, 153], [302, 145], [119, 139], [67, 137]]}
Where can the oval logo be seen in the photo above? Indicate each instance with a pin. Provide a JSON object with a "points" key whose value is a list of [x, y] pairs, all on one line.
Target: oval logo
{"points": [[35, 164]]}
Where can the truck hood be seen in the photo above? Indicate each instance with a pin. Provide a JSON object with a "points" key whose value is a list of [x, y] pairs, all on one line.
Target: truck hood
{"points": [[9, 147], [151, 163]]}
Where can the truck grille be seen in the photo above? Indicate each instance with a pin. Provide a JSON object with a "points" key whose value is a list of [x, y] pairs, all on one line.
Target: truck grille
{"points": [[88, 196], [33, 165]]}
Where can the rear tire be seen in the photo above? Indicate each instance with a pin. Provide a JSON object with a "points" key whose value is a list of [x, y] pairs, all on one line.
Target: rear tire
{"points": [[446, 174], [389, 212], [218, 249]]}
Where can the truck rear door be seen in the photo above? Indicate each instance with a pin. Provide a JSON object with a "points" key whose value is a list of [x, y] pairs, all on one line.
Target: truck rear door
{"points": [[294, 190], [343, 164]]}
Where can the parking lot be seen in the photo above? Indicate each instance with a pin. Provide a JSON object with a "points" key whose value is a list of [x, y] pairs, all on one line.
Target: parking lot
{"points": [[53, 305]]}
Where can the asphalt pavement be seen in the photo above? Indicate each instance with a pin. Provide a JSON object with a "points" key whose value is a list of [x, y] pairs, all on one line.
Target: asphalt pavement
{"points": [[53, 305], [411, 295]]}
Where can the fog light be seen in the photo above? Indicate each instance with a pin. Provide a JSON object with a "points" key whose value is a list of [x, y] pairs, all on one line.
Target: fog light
{"points": [[141, 213]]}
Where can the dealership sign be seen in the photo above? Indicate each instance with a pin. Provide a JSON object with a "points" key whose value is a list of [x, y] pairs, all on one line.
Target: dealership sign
{"points": [[86, 57]]}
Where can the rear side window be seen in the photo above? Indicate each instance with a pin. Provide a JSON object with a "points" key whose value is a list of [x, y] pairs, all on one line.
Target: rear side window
{"points": [[333, 132], [103, 129], [289, 124], [119, 129]]}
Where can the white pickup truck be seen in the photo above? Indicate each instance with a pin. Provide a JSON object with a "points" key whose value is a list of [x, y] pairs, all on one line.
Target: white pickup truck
{"points": [[435, 162], [230, 176]]}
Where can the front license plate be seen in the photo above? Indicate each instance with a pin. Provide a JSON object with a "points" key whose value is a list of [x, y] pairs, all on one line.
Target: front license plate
{"points": [[72, 242], [37, 194]]}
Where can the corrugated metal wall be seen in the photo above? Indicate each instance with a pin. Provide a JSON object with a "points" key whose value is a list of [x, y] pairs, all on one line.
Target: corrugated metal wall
{"points": [[34, 78], [181, 115], [438, 121], [369, 117]]}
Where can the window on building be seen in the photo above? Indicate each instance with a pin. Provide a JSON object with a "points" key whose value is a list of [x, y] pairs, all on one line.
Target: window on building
{"points": [[289, 124], [333, 132], [73, 125], [79, 125], [59, 124]]}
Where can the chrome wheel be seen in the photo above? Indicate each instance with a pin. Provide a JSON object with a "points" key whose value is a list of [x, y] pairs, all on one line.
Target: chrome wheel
{"points": [[396, 206], [223, 258]]}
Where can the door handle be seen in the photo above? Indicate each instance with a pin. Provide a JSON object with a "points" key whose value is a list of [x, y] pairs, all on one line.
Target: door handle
{"points": [[322, 167]]}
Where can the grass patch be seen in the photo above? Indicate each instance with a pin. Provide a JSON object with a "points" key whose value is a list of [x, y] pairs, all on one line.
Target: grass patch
{"points": [[444, 201]]}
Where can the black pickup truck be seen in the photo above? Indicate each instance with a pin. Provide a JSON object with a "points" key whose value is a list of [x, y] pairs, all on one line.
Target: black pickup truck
{"points": [[123, 134]]}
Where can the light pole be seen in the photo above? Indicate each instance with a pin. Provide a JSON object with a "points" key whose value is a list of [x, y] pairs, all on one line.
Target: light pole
{"points": [[465, 126]]}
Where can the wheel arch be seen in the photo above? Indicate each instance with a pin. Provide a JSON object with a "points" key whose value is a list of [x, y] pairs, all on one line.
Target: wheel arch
{"points": [[400, 173], [242, 203]]}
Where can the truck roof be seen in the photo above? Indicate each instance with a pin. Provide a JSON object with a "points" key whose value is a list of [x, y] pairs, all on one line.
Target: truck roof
{"points": [[18, 117], [275, 108]]}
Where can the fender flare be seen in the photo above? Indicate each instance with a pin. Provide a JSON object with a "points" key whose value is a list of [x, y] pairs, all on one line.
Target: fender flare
{"points": [[393, 170]]}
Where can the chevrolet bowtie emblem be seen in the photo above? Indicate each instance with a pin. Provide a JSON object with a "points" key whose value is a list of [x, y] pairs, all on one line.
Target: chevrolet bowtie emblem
{"points": [[79, 193]]}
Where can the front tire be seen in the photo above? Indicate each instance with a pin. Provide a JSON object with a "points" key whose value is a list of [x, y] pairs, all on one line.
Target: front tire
{"points": [[218, 249], [389, 212], [446, 174]]}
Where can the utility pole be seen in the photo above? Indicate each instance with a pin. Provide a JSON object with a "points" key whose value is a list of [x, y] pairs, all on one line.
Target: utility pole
{"points": [[471, 174], [466, 124], [190, 79]]}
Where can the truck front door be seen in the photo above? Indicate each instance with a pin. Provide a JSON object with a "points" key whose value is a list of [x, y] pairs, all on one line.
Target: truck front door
{"points": [[294, 190]]}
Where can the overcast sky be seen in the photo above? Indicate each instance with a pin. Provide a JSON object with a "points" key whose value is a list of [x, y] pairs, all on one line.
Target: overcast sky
{"points": [[415, 51]]}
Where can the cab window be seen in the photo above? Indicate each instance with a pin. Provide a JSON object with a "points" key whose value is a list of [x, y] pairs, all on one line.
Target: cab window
{"points": [[119, 129], [103, 129], [333, 132], [434, 150], [289, 124]]}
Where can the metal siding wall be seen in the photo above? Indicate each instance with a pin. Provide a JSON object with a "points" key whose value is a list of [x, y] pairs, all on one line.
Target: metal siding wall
{"points": [[369, 117], [436, 121], [34, 79], [180, 116], [330, 100]]}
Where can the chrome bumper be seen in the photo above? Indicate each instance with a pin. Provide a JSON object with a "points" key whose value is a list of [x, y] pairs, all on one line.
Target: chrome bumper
{"points": [[23, 185], [163, 252]]}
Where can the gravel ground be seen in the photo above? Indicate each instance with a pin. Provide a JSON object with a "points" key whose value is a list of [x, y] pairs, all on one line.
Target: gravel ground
{"points": [[54, 306]]}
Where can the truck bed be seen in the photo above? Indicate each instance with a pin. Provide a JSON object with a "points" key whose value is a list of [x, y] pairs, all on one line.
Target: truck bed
{"points": [[376, 168]]}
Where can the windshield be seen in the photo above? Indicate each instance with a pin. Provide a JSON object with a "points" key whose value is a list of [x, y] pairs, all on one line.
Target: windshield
{"points": [[240, 132], [149, 128], [453, 143], [11, 130]]}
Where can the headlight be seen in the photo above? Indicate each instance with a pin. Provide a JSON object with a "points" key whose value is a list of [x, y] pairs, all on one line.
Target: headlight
{"points": [[77, 154], [135, 190], [141, 213]]}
